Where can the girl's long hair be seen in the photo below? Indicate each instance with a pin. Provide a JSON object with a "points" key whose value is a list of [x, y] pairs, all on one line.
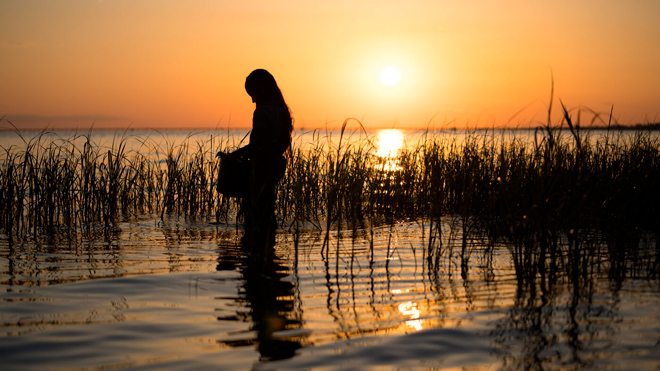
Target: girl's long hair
{"points": [[262, 82]]}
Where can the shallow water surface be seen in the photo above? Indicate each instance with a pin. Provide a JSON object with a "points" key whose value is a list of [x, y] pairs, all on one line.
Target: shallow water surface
{"points": [[185, 295]]}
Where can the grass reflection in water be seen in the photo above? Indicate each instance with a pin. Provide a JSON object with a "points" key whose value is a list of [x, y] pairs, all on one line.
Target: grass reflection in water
{"points": [[225, 303]]}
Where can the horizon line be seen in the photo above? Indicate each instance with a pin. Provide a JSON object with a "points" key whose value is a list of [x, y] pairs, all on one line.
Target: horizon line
{"points": [[650, 126]]}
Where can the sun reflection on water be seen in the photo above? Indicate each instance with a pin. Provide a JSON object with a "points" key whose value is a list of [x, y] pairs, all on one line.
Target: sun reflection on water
{"points": [[389, 142], [410, 309]]}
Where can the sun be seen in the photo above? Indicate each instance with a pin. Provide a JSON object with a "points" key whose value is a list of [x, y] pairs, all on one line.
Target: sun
{"points": [[390, 75]]}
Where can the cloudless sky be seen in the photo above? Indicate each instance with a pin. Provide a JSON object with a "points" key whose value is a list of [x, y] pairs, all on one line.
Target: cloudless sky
{"points": [[164, 63]]}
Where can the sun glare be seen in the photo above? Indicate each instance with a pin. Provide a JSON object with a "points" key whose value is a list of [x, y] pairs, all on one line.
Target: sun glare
{"points": [[390, 75]]}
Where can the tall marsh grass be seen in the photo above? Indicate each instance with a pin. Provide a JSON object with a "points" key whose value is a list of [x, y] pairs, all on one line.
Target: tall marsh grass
{"points": [[52, 186], [545, 197]]}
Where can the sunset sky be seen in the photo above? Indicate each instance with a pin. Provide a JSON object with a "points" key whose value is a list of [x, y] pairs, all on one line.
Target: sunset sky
{"points": [[162, 63]]}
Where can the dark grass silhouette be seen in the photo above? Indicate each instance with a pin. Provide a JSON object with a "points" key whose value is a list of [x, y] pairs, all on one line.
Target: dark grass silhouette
{"points": [[542, 198]]}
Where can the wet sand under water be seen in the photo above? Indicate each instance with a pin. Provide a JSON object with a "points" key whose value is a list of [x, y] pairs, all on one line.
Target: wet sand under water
{"points": [[181, 295]]}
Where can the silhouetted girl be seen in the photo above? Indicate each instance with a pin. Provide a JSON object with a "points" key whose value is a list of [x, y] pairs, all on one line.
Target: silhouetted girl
{"points": [[269, 150]]}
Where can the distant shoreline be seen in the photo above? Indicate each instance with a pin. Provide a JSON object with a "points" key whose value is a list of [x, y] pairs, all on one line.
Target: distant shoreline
{"points": [[649, 127]]}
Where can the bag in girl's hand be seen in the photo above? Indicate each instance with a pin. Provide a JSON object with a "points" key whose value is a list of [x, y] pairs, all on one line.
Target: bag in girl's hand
{"points": [[233, 175]]}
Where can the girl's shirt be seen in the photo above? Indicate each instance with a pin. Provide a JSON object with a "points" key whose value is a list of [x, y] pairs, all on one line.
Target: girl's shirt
{"points": [[268, 139]]}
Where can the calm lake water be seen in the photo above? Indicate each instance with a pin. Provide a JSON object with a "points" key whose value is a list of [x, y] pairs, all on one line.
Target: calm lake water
{"points": [[177, 294], [182, 295]]}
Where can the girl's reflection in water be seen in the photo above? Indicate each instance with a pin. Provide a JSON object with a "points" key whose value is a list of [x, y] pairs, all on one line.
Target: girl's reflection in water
{"points": [[270, 299]]}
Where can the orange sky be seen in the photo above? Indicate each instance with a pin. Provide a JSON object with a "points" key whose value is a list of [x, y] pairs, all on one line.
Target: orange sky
{"points": [[163, 63]]}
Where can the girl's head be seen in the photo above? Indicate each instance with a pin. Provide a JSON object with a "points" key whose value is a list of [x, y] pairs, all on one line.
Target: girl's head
{"points": [[261, 86]]}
